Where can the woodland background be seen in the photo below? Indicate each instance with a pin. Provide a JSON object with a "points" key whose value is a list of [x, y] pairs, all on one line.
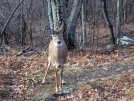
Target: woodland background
{"points": [[99, 66]]}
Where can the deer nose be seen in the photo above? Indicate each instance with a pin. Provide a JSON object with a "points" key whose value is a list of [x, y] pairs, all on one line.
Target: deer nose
{"points": [[58, 42]]}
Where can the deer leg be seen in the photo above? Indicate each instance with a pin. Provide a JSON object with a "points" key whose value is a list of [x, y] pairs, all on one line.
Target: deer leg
{"points": [[49, 63], [56, 80], [63, 81], [61, 78]]}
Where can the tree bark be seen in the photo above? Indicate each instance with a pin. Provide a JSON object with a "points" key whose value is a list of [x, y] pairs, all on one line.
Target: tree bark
{"points": [[64, 18], [84, 22], [72, 22], [125, 11], [50, 14], [54, 13], [110, 26], [118, 19]]}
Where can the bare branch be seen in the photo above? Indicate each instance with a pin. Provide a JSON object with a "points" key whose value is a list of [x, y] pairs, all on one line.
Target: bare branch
{"points": [[10, 18]]}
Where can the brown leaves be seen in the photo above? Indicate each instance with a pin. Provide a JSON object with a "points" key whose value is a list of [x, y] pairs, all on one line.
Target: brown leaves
{"points": [[110, 89], [87, 60], [14, 72], [19, 73]]}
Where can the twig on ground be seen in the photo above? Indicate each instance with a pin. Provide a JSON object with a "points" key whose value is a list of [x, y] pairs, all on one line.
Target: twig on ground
{"points": [[23, 51]]}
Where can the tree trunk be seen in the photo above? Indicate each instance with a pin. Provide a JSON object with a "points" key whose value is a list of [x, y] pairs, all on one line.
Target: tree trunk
{"points": [[118, 19], [130, 8], [64, 18], [23, 27], [110, 26], [50, 13], [84, 22], [56, 13], [72, 22], [125, 11]]}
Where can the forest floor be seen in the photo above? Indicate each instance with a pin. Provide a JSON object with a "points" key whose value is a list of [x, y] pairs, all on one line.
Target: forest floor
{"points": [[107, 76]]}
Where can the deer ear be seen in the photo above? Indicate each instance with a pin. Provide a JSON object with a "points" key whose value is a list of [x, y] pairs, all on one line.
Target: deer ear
{"points": [[50, 31]]}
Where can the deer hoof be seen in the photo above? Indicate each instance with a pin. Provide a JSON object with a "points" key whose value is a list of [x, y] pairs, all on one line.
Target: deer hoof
{"points": [[64, 82], [56, 90], [43, 82]]}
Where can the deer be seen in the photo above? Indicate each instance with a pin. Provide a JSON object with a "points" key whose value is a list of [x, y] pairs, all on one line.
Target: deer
{"points": [[57, 56]]}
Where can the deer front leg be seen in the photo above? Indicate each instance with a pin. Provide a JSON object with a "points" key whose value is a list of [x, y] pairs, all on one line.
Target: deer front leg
{"points": [[44, 79], [61, 78], [56, 80]]}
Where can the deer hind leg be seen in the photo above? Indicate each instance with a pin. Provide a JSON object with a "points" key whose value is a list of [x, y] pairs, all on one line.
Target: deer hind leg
{"points": [[49, 64]]}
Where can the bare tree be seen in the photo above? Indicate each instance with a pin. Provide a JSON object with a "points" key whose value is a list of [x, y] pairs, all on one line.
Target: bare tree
{"points": [[109, 24], [118, 19], [2, 34], [125, 10], [72, 22], [84, 22], [54, 13]]}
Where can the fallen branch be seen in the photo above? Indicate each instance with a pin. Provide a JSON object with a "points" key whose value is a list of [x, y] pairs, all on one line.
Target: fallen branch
{"points": [[23, 51], [33, 80], [37, 71]]}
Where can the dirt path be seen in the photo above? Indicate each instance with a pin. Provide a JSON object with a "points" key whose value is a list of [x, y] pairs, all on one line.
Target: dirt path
{"points": [[88, 75], [78, 78]]}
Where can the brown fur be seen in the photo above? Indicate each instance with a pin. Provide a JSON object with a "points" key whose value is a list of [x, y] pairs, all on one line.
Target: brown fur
{"points": [[57, 55]]}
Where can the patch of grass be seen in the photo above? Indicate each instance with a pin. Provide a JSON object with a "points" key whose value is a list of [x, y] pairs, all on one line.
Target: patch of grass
{"points": [[39, 76]]}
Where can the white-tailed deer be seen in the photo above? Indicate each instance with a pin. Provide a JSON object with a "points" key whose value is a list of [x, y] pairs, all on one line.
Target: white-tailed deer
{"points": [[57, 55]]}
